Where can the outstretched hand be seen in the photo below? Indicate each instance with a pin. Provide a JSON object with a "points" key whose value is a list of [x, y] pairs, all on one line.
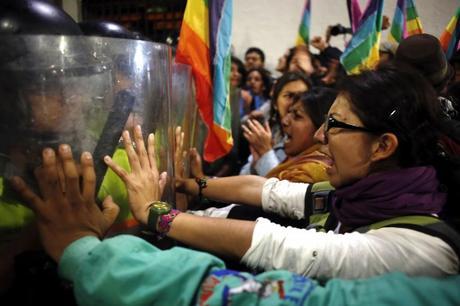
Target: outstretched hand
{"points": [[179, 154], [144, 184], [196, 164], [66, 210]]}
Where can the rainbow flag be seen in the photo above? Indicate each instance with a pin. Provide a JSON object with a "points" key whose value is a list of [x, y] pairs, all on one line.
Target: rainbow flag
{"points": [[413, 24], [363, 50], [303, 37], [451, 35], [398, 26], [205, 45], [354, 13]]}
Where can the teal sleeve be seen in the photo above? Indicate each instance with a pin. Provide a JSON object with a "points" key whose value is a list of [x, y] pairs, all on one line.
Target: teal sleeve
{"points": [[126, 270], [388, 290]]}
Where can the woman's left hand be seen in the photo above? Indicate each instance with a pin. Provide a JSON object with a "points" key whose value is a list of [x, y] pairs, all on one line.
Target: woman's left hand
{"points": [[144, 184], [258, 136]]}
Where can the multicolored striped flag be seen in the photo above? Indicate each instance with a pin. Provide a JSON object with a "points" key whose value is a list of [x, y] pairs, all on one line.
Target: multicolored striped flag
{"points": [[303, 37], [398, 26], [363, 50], [451, 35], [354, 13], [205, 45], [413, 24]]}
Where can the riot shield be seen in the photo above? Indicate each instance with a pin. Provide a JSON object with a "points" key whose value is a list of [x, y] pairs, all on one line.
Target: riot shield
{"points": [[83, 91], [54, 89], [142, 74], [184, 105]]}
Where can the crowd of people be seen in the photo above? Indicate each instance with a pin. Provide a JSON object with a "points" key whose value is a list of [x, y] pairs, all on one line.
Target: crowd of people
{"points": [[340, 189]]}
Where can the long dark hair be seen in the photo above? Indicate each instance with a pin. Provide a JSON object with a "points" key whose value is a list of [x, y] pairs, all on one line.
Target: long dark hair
{"points": [[266, 80], [399, 100], [316, 103], [278, 87], [240, 66]]}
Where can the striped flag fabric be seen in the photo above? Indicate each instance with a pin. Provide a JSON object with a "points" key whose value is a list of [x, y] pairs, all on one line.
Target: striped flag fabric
{"points": [[363, 50], [398, 26], [451, 35], [205, 45], [413, 24], [303, 36], [354, 13]]}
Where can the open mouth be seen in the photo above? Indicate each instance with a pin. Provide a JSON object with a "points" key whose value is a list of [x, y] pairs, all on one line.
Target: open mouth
{"points": [[287, 138], [329, 161]]}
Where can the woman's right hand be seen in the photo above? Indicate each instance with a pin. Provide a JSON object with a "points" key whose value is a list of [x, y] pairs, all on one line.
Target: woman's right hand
{"points": [[144, 184]]}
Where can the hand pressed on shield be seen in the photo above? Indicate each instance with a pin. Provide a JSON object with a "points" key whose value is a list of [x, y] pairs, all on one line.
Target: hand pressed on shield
{"points": [[179, 154], [144, 184], [66, 209], [196, 164]]}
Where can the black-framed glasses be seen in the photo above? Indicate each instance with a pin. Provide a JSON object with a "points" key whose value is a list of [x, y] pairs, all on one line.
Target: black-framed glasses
{"points": [[330, 122]]}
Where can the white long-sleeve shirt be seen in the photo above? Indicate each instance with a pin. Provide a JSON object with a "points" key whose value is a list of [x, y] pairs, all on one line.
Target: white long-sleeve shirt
{"points": [[350, 255]]}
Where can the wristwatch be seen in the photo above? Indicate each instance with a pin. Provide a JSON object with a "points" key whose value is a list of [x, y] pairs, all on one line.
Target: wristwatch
{"points": [[157, 209]]}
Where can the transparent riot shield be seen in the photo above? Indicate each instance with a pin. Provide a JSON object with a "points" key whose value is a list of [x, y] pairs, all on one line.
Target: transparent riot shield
{"points": [[83, 91], [54, 89], [184, 105], [142, 72]]}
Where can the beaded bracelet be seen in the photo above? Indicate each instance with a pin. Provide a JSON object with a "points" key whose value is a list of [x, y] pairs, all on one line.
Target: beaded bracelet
{"points": [[202, 184], [164, 223]]}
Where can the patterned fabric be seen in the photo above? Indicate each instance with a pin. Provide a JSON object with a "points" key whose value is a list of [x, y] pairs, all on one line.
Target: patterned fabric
{"points": [[303, 37], [363, 50], [308, 167], [451, 35], [205, 44]]}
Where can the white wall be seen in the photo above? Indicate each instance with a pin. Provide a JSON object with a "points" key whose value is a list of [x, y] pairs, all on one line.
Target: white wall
{"points": [[272, 24], [73, 8]]}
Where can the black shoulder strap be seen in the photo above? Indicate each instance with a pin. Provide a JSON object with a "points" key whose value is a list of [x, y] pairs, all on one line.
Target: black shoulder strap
{"points": [[308, 200], [318, 199]]}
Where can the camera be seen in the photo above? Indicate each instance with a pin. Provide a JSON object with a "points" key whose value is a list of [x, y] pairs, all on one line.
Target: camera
{"points": [[340, 29]]}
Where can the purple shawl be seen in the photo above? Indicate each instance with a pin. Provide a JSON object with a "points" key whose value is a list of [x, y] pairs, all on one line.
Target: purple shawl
{"points": [[389, 194]]}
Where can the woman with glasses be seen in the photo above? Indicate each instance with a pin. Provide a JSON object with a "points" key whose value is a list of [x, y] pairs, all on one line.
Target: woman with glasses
{"points": [[381, 135]]}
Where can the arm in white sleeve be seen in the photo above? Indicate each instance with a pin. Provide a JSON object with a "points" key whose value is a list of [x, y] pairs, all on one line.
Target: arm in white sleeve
{"points": [[284, 198], [351, 255], [213, 212]]}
